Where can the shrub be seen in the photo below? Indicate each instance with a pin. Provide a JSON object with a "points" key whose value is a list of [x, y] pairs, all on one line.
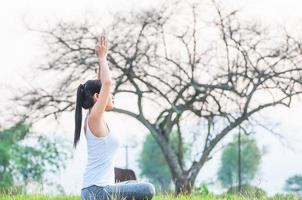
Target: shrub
{"points": [[248, 191]]}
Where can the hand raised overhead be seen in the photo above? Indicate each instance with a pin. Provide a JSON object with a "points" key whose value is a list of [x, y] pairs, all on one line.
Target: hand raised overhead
{"points": [[101, 48]]}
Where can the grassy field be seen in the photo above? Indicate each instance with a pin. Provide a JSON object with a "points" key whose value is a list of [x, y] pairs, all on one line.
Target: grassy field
{"points": [[166, 197]]}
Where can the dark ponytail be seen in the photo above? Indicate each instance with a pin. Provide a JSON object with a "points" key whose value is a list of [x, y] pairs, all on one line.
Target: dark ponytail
{"points": [[78, 115], [84, 100]]}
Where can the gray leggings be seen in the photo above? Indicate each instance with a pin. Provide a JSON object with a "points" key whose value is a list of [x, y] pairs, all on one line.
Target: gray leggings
{"points": [[126, 190]]}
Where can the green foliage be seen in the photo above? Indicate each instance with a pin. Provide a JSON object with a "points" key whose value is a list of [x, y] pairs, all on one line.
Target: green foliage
{"points": [[250, 159], [248, 191], [8, 138], [153, 164], [294, 184], [21, 164], [202, 190], [284, 197]]}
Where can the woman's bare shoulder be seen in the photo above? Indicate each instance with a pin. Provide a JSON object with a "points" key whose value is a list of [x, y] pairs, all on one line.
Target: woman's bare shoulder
{"points": [[97, 127]]}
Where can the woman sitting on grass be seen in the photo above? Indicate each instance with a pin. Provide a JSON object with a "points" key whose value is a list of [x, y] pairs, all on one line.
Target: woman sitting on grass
{"points": [[102, 144]]}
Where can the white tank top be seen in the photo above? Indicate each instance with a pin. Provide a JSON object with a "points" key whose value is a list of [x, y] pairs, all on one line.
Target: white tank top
{"points": [[101, 157]]}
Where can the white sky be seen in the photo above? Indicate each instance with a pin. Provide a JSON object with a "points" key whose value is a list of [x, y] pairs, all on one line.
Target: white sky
{"points": [[19, 50]]}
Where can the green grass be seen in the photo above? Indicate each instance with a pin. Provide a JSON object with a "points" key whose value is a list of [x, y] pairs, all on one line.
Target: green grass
{"points": [[226, 197], [163, 197], [38, 197]]}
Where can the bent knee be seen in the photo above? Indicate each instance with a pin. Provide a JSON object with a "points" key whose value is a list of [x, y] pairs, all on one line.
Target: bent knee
{"points": [[149, 190]]}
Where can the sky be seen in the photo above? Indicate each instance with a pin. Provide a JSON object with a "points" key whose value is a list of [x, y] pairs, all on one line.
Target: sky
{"points": [[20, 50]]}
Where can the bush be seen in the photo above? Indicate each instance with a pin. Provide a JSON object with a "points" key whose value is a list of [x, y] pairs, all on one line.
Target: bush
{"points": [[201, 190], [12, 190], [248, 191], [284, 196]]}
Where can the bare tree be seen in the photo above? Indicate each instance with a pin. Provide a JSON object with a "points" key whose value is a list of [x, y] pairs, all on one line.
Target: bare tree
{"points": [[173, 57]]}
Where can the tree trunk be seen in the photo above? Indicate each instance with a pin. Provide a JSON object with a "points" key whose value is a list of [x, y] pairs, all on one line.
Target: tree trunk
{"points": [[183, 186]]}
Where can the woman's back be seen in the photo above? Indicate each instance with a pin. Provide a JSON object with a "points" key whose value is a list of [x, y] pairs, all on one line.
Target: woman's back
{"points": [[101, 156]]}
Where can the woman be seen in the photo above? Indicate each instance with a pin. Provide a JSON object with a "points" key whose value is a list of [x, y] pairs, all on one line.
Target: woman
{"points": [[102, 144]]}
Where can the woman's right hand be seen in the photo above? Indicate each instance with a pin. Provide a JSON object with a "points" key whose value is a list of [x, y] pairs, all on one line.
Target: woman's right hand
{"points": [[101, 48]]}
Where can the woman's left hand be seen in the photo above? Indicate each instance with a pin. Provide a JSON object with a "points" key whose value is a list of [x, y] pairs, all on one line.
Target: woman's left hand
{"points": [[101, 48]]}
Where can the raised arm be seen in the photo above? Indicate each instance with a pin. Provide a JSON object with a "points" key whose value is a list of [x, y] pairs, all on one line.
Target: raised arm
{"points": [[103, 74]]}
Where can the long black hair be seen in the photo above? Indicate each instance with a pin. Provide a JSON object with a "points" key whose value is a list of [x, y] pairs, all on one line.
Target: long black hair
{"points": [[84, 100]]}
